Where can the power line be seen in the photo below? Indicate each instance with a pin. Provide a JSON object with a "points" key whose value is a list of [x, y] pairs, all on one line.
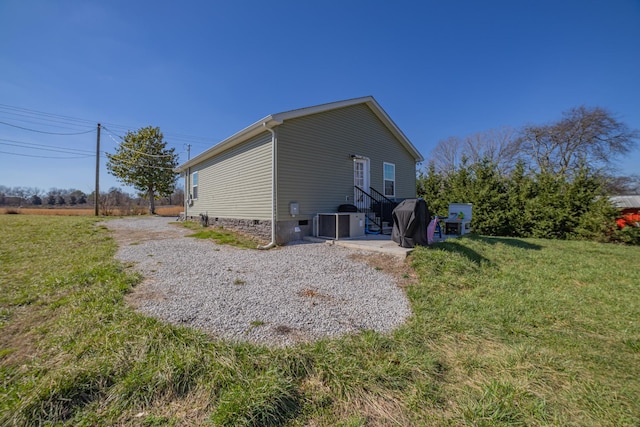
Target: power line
{"points": [[69, 120], [133, 163], [42, 113], [135, 151], [172, 137], [44, 147], [56, 118], [111, 135], [60, 125], [43, 116], [137, 164], [47, 157], [49, 133]]}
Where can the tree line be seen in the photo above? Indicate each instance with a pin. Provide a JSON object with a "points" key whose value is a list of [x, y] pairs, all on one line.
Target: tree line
{"points": [[550, 181], [59, 197], [34, 196]]}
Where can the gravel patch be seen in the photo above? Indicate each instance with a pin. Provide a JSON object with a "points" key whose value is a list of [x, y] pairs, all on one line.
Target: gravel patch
{"points": [[296, 293]]}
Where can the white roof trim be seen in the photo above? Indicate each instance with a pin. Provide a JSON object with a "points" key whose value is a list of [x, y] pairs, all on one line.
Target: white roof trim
{"points": [[277, 119]]}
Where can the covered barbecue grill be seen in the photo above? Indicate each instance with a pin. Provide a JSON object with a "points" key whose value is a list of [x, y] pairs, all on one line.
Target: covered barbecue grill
{"points": [[410, 220]]}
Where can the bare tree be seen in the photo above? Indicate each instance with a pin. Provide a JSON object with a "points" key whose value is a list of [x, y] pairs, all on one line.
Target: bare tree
{"points": [[445, 157], [106, 203], [584, 136], [22, 193], [623, 185], [494, 145]]}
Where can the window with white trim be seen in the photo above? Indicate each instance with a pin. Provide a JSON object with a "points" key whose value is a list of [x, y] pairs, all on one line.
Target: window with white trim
{"points": [[389, 179], [194, 185]]}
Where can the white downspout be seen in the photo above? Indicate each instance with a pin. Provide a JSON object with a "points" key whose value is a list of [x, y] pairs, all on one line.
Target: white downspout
{"points": [[274, 140], [187, 192]]}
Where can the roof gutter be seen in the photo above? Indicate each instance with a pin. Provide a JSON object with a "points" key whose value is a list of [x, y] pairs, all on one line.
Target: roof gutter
{"points": [[274, 140]]}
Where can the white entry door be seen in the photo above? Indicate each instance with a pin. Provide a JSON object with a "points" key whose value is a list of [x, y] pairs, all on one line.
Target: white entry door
{"points": [[360, 179]]}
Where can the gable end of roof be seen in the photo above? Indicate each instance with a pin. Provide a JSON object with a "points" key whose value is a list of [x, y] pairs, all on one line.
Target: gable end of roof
{"points": [[279, 118]]}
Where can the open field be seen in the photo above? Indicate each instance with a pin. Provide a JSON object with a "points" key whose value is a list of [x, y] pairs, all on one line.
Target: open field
{"points": [[161, 210], [504, 332]]}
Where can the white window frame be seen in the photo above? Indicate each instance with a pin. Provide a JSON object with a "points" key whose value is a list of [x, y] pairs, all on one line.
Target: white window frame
{"points": [[194, 185], [384, 179]]}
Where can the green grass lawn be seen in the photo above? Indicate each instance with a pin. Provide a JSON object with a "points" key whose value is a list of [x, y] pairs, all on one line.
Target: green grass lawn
{"points": [[504, 332]]}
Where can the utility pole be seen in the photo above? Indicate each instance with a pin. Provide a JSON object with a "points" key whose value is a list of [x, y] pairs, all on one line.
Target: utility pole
{"points": [[188, 152], [96, 196]]}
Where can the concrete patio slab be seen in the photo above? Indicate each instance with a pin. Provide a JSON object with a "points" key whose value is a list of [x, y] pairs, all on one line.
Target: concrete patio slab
{"points": [[369, 242]]}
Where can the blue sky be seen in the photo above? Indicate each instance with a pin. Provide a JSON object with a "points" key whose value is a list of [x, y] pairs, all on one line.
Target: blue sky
{"points": [[202, 70]]}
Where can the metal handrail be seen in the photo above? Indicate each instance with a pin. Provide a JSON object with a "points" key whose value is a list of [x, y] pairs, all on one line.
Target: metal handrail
{"points": [[367, 205], [373, 190]]}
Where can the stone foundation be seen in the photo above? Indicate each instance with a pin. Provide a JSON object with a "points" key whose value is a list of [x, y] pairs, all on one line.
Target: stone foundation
{"points": [[286, 231], [289, 231], [255, 227]]}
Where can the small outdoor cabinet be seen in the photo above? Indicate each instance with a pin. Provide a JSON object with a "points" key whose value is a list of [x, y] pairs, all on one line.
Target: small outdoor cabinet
{"points": [[340, 225], [459, 220]]}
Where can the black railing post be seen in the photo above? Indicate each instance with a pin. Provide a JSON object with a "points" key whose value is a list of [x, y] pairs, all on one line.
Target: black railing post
{"points": [[387, 205], [378, 206]]}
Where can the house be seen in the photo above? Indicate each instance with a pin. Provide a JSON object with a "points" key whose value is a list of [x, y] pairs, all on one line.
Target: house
{"points": [[273, 177], [629, 207]]}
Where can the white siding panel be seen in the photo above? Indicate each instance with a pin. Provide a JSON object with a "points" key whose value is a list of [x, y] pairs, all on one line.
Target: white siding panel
{"points": [[237, 182]]}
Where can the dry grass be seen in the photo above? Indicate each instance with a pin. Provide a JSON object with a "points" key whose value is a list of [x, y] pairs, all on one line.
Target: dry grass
{"points": [[400, 270], [169, 210], [46, 211], [162, 211]]}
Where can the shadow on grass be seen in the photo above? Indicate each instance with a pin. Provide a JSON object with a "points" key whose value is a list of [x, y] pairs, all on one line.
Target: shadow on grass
{"points": [[509, 241], [454, 245], [457, 245]]}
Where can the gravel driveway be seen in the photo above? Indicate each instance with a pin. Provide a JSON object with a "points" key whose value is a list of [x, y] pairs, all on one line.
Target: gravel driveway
{"points": [[296, 293]]}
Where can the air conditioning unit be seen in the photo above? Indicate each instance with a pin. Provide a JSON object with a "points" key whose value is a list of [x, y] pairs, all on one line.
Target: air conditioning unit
{"points": [[340, 225]]}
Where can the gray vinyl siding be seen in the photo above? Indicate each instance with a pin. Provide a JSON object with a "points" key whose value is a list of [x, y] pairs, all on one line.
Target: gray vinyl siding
{"points": [[314, 164], [236, 183]]}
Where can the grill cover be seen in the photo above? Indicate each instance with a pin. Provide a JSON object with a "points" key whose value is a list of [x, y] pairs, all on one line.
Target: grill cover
{"points": [[410, 219]]}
